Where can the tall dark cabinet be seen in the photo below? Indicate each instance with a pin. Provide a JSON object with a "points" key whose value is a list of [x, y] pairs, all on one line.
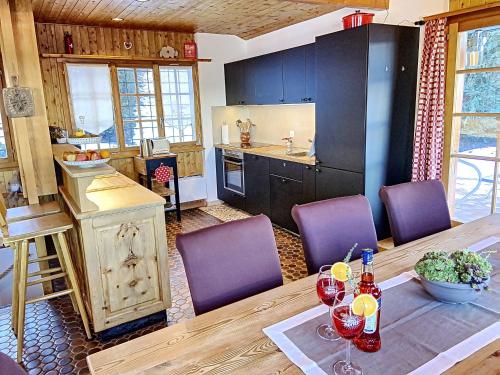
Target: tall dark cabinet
{"points": [[365, 111]]}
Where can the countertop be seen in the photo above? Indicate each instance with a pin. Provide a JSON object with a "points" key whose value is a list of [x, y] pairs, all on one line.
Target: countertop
{"points": [[273, 151]]}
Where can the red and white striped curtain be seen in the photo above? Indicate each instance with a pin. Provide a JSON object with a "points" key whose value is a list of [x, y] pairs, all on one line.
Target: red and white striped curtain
{"points": [[429, 134]]}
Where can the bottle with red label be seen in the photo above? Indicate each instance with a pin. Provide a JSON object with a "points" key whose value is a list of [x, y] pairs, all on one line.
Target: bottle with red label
{"points": [[369, 340]]}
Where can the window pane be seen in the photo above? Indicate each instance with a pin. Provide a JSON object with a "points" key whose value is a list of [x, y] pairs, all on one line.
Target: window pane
{"points": [[92, 101], [178, 103], [478, 135], [498, 190], [473, 189], [145, 83], [132, 133], [479, 48], [3, 145], [478, 92]]}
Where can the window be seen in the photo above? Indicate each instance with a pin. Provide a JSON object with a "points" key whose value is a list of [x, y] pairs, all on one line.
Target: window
{"points": [[475, 146], [125, 104], [138, 104], [178, 103], [92, 101], [6, 149]]}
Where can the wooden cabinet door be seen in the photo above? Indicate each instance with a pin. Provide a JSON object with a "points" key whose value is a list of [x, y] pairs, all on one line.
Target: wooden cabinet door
{"points": [[341, 69], [267, 73], [257, 188], [333, 183], [285, 193], [294, 75], [128, 262]]}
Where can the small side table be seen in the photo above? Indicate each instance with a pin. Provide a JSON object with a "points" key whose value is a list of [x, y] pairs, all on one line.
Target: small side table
{"points": [[146, 167]]}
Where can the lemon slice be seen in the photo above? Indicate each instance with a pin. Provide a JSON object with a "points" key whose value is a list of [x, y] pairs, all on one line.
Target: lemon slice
{"points": [[341, 271], [364, 304]]}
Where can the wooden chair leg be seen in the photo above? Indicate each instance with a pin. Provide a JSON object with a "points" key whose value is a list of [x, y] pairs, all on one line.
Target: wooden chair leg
{"points": [[15, 284], [57, 246], [74, 283], [41, 251], [23, 274]]}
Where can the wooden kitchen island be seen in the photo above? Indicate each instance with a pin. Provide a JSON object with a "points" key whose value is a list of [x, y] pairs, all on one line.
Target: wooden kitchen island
{"points": [[118, 243]]}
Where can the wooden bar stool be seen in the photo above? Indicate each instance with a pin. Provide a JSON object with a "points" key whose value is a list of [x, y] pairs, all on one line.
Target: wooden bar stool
{"points": [[17, 235], [30, 212]]}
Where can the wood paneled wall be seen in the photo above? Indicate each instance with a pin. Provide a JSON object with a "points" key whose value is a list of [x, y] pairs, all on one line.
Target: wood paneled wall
{"points": [[89, 40], [463, 4]]}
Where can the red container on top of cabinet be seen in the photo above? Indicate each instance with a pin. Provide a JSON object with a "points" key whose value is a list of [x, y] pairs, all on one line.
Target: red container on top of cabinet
{"points": [[357, 19], [190, 50]]}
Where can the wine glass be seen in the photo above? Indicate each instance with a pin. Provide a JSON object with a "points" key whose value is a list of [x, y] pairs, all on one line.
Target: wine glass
{"points": [[349, 326], [328, 288]]}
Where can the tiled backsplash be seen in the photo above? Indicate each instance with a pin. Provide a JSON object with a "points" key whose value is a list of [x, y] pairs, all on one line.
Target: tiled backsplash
{"points": [[273, 122]]}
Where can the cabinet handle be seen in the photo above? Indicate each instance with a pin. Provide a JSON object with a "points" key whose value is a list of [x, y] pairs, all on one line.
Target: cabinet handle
{"points": [[283, 180], [318, 170], [308, 167], [309, 99], [282, 100], [284, 164]]}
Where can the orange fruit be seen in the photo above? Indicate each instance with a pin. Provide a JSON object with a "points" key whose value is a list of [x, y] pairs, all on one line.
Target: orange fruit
{"points": [[105, 154]]}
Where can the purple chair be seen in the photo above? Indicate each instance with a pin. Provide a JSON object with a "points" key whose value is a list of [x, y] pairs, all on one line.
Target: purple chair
{"points": [[416, 210], [229, 262], [329, 228], [9, 367]]}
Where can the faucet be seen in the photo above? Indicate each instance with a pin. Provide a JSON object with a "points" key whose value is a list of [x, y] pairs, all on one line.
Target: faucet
{"points": [[289, 144]]}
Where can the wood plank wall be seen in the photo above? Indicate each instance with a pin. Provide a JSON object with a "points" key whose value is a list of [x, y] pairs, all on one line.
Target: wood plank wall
{"points": [[463, 4], [89, 40]]}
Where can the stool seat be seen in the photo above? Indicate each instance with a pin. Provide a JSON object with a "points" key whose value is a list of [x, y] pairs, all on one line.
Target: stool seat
{"points": [[38, 227], [32, 211]]}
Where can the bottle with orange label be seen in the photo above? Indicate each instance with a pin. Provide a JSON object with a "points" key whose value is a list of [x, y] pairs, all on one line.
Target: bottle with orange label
{"points": [[369, 340]]}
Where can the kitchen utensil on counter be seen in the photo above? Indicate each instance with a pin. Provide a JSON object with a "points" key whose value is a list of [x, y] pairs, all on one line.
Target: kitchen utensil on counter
{"points": [[245, 131], [225, 133], [357, 19]]}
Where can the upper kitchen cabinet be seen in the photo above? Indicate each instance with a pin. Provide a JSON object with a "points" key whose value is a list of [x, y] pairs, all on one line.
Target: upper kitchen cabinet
{"points": [[299, 76], [267, 77], [365, 111], [282, 77], [240, 89]]}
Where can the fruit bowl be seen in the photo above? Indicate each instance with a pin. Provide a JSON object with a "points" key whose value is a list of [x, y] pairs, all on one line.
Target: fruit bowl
{"points": [[86, 163], [84, 140]]}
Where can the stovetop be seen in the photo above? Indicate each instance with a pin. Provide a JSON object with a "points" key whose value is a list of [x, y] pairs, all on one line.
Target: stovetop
{"points": [[252, 145]]}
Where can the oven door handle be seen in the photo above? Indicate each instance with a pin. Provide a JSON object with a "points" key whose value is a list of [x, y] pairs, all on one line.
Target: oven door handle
{"points": [[233, 162]]}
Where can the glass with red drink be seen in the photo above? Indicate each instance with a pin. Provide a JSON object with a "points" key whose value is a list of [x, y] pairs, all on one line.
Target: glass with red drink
{"points": [[329, 290], [348, 325]]}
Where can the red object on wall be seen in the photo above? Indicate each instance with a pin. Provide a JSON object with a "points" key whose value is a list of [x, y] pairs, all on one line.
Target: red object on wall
{"points": [[190, 50], [68, 43], [357, 19]]}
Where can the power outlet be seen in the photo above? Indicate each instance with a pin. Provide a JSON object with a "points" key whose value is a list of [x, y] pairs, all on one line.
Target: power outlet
{"points": [[292, 133]]}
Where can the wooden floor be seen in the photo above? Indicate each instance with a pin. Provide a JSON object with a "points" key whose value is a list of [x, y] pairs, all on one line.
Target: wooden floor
{"points": [[55, 340]]}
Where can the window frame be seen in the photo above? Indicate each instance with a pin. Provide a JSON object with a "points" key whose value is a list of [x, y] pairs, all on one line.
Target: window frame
{"points": [[128, 151], [452, 118]]}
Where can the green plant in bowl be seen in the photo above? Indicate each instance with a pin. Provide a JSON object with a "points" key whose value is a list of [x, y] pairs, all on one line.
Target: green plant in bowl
{"points": [[454, 278]]}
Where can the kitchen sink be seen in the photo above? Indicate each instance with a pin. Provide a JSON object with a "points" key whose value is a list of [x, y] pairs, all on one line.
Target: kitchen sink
{"points": [[298, 154]]}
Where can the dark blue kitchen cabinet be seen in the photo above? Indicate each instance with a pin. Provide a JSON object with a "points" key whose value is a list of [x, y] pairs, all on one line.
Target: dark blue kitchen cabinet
{"points": [[365, 110], [267, 76], [257, 186], [282, 77], [240, 88]]}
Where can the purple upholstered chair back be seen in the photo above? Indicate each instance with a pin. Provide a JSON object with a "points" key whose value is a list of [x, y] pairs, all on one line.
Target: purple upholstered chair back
{"points": [[416, 210], [229, 262], [329, 228], [9, 367]]}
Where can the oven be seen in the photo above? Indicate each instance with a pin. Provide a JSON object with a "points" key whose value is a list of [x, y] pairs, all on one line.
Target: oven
{"points": [[234, 171]]}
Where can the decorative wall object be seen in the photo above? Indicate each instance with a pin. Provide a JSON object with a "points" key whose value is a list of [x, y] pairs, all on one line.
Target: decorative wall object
{"points": [[169, 52], [127, 45], [18, 101]]}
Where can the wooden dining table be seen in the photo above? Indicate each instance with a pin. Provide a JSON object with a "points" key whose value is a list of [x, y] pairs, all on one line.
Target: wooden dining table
{"points": [[230, 340]]}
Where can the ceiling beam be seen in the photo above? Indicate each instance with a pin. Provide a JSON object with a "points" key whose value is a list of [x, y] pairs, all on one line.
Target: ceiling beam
{"points": [[369, 4]]}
